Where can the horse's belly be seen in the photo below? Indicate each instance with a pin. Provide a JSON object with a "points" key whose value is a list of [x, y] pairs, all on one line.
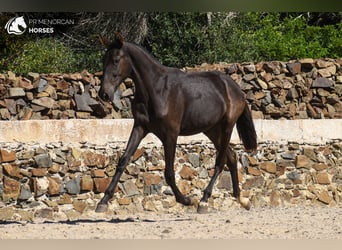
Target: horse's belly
{"points": [[195, 128], [201, 119]]}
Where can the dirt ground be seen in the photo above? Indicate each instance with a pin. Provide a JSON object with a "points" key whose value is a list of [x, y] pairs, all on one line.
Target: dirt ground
{"points": [[258, 223]]}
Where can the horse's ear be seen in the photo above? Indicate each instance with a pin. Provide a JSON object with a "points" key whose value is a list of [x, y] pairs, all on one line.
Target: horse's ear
{"points": [[104, 41], [119, 38]]}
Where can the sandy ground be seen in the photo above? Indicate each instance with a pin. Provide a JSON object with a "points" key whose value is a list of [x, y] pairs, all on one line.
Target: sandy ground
{"points": [[258, 223]]}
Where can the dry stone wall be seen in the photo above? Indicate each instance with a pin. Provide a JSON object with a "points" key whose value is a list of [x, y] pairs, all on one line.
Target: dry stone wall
{"points": [[299, 89], [67, 180]]}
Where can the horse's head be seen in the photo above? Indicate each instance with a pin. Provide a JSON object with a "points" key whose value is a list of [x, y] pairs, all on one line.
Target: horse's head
{"points": [[116, 67]]}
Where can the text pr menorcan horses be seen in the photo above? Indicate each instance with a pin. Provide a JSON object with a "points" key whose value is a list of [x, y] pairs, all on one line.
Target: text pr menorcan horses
{"points": [[169, 102]]}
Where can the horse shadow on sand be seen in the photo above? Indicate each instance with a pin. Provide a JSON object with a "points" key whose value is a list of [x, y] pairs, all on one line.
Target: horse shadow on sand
{"points": [[91, 221]]}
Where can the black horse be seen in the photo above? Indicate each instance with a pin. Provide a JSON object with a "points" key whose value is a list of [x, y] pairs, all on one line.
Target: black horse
{"points": [[169, 102]]}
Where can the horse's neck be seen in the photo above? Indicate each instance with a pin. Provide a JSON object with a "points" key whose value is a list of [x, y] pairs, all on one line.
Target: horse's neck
{"points": [[144, 66], [146, 70], [148, 76]]}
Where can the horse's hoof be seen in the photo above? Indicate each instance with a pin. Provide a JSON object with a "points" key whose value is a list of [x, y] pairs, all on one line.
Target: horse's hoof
{"points": [[101, 208], [245, 203], [186, 201], [203, 208]]}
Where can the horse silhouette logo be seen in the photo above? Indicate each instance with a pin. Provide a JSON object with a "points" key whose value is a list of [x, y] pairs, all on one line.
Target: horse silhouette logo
{"points": [[16, 25]]}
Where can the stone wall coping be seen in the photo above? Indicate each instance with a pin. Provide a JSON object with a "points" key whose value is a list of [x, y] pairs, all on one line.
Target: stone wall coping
{"points": [[101, 131]]}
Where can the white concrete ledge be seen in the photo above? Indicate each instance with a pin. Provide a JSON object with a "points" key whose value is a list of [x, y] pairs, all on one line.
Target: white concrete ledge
{"points": [[102, 131]]}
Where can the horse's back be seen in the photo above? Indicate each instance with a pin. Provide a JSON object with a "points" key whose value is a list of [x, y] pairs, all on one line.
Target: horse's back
{"points": [[207, 81], [205, 96]]}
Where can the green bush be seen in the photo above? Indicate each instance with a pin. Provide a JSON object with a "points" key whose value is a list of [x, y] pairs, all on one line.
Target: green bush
{"points": [[293, 38], [48, 55], [186, 39], [178, 39], [43, 56], [91, 60]]}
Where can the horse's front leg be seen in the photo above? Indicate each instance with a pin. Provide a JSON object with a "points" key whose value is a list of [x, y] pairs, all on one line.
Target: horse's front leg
{"points": [[137, 134]]}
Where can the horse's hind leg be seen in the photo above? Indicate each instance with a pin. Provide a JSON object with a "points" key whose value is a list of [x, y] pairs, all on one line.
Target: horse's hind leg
{"points": [[232, 165], [170, 150], [220, 140], [203, 205]]}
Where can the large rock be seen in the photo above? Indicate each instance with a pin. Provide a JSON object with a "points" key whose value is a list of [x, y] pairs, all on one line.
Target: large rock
{"points": [[43, 160], [79, 205], [225, 181], [184, 186], [130, 188], [303, 161], [7, 156], [93, 159], [269, 167], [39, 172], [25, 193], [101, 184], [50, 91], [42, 84], [320, 63], [187, 173], [33, 76], [16, 92], [12, 170], [325, 197], [151, 179], [82, 103], [5, 114], [327, 72], [294, 68], [253, 182], [87, 183], [73, 186], [40, 185], [54, 186], [194, 159], [323, 178], [46, 102], [322, 82], [11, 189]]}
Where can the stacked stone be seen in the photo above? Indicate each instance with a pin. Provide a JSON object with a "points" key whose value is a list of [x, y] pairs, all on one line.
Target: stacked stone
{"points": [[298, 89], [59, 96], [71, 178]]}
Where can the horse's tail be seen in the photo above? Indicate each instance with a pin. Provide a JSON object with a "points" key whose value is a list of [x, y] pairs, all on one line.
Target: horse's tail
{"points": [[246, 130]]}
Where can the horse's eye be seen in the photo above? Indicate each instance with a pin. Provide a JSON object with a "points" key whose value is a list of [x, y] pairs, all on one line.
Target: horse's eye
{"points": [[116, 60]]}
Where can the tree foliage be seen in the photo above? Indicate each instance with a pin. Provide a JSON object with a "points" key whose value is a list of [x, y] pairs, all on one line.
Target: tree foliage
{"points": [[175, 38], [193, 38], [44, 55]]}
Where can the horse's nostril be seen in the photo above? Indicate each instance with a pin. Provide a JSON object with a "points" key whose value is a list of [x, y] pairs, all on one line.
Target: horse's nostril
{"points": [[105, 96]]}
